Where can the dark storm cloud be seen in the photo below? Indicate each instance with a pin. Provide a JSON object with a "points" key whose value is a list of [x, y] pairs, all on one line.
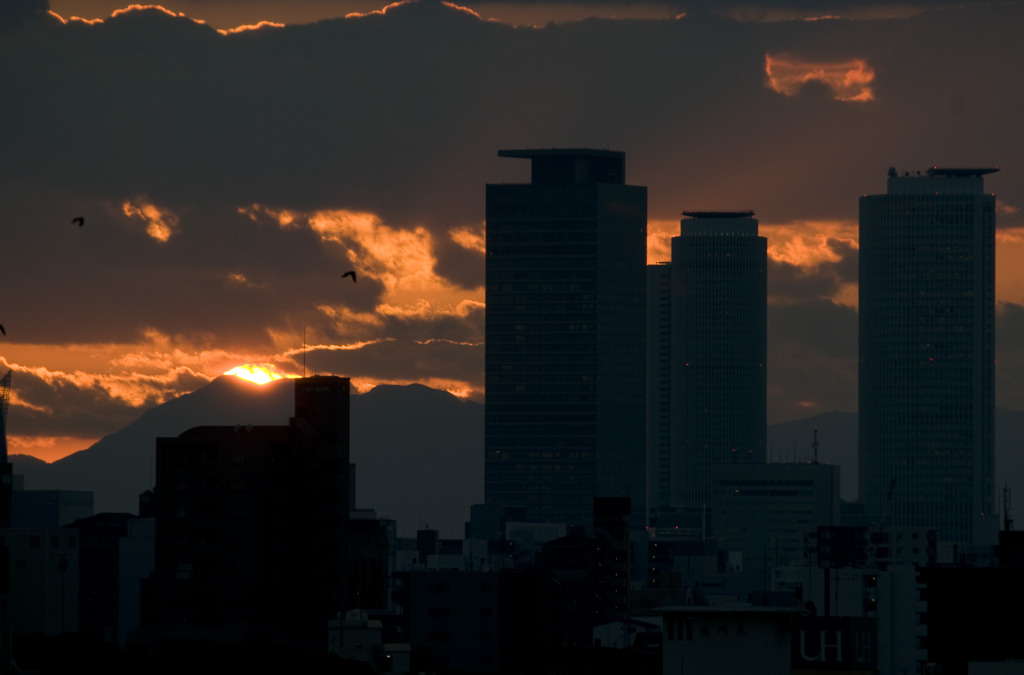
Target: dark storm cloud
{"points": [[17, 15], [1010, 355], [817, 7], [391, 361], [84, 407], [792, 283], [812, 364], [401, 114]]}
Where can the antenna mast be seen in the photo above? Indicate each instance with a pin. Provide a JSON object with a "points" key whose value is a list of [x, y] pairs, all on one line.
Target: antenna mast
{"points": [[5, 397], [6, 468]]}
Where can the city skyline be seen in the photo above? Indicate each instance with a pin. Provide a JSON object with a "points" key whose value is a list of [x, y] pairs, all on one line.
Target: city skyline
{"points": [[230, 184]]}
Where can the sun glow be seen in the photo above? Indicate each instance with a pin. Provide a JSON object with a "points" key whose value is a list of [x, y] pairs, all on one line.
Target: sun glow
{"points": [[260, 373]]}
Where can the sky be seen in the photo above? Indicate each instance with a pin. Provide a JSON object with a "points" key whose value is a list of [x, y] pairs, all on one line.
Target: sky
{"points": [[232, 158]]}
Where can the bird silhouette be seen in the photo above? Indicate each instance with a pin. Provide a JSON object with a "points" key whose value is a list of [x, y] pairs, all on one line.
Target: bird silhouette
{"points": [[2, 331], [350, 273], [80, 221]]}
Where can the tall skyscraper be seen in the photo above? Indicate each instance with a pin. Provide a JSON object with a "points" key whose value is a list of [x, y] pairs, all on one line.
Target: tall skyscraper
{"points": [[565, 410], [718, 297], [659, 387], [927, 315]]}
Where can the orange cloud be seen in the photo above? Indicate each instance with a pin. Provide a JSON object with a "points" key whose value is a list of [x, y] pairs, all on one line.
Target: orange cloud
{"points": [[133, 388], [848, 80], [381, 11], [401, 260], [400, 3], [470, 238], [47, 448], [161, 224], [1009, 260], [1006, 209], [160, 8], [659, 240], [240, 279], [460, 8], [809, 243], [141, 373], [250, 26]]}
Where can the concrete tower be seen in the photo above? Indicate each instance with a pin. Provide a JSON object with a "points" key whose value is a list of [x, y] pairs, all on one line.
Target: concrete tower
{"points": [[927, 315], [565, 411], [717, 370]]}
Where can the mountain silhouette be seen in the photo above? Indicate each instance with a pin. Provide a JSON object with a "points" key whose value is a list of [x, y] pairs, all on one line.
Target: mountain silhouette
{"points": [[418, 451]]}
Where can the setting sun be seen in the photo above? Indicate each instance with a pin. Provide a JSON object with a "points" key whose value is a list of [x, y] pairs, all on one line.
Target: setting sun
{"points": [[259, 373]]}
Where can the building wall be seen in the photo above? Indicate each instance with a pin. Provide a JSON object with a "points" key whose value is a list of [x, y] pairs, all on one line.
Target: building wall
{"points": [[44, 589], [711, 641], [49, 508], [565, 347], [659, 387], [252, 522], [454, 620], [769, 512], [927, 311], [719, 350]]}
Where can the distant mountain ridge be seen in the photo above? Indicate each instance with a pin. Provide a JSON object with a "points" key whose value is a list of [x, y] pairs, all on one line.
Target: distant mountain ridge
{"points": [[837, 444], [418, 451]]}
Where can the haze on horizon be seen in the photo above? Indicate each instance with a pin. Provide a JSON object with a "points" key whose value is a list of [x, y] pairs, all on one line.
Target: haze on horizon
{"points": [[228, 178]]}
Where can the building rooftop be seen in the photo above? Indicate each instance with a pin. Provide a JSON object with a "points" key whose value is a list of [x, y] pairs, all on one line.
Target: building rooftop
{"points": [[947, 172], [562, 152], [961, 172], [573, 166], [718, 214]]}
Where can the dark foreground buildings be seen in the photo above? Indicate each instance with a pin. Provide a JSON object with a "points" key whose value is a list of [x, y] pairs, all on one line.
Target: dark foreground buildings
{"points": [[566, 336], [252, 523], [927, 320]]}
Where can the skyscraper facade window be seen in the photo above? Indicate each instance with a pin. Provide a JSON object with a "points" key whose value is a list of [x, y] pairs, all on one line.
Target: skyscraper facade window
{"points": [[718, 298], [566, 305], [659, 387], [927, 314]]}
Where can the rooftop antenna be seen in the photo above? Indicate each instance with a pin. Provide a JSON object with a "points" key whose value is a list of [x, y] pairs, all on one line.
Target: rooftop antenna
{"points": [[303, 351], [5, 397], [814, 445]]}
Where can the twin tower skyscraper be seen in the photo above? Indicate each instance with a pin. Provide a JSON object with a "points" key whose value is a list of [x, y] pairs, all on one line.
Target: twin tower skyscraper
{"points": [[606, 377]]}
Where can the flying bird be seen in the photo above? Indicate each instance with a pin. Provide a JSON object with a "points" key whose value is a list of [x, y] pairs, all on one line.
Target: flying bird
{"points": [[350, 273], [80, 221]]}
